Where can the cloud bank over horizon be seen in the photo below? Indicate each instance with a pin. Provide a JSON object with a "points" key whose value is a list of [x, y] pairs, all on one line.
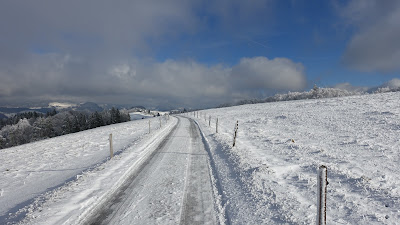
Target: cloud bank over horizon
{"points": [[155, 83], [104, 52], [178, 53], [90, 51]]}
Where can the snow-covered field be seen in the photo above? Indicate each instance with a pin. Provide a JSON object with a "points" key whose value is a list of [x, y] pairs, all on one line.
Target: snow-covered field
{"points": [[280, 146], [269, 177]]}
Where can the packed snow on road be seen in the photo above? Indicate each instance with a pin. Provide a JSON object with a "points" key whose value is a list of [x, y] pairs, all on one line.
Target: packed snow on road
{"points": [[269, 177]]}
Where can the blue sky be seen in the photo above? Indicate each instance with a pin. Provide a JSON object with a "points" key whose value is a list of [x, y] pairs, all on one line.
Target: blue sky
{"points": [[192, 53], [304, 31]]}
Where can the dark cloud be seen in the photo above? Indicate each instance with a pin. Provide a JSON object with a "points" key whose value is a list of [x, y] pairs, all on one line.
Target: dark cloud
{"points": [[93, 24], [375, 46]]}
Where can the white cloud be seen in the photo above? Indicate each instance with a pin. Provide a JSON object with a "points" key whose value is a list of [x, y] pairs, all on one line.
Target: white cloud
{"points": [[190, 80], [375, 46], [275, 74], [123, 71]]}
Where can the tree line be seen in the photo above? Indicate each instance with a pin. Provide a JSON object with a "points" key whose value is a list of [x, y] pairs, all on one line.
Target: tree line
{"points": [[315, 93], [27, 127]]}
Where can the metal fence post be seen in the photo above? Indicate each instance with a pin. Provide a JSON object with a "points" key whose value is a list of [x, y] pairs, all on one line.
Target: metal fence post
{"points": [[234, 136]]}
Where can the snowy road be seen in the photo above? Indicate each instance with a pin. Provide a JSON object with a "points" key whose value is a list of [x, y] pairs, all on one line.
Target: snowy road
{"points": [[173, 186]]}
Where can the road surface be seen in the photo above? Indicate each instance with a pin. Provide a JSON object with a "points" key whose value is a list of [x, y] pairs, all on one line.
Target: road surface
{"points": [[172, 187]]}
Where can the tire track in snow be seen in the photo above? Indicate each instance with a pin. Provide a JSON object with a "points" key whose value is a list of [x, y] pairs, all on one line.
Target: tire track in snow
{"points": [[219, 195], [198, 201]]}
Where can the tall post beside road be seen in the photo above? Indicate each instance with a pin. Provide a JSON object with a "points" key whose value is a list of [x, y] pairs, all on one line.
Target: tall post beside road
{"points": [[322, 189]]}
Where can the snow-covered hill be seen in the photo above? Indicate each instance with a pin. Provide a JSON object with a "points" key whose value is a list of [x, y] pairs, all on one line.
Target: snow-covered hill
{"points": [[269, 177], [280, 146]]}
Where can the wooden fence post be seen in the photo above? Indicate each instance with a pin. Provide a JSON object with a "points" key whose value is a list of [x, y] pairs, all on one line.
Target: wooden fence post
{"points": [[216, 126], [322, 189], [234, 137], [209, 121], [111, 147], [149, 126], [160, 122]]}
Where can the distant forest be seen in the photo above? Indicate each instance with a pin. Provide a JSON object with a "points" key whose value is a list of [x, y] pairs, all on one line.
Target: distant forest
{"points": [[27, 127]]}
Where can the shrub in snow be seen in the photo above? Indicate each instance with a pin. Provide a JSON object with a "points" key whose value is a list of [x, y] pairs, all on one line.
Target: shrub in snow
{"points": [[386, 89], [2, 141], [17, 134]]}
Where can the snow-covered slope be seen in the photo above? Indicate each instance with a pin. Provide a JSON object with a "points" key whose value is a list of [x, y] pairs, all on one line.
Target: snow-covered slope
{"points": [[29, 171], [280, 146]]}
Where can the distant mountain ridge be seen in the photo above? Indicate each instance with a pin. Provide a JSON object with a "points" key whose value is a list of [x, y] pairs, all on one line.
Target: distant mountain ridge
{"points": [[89, 107], [12, 110], [59, 107]]}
